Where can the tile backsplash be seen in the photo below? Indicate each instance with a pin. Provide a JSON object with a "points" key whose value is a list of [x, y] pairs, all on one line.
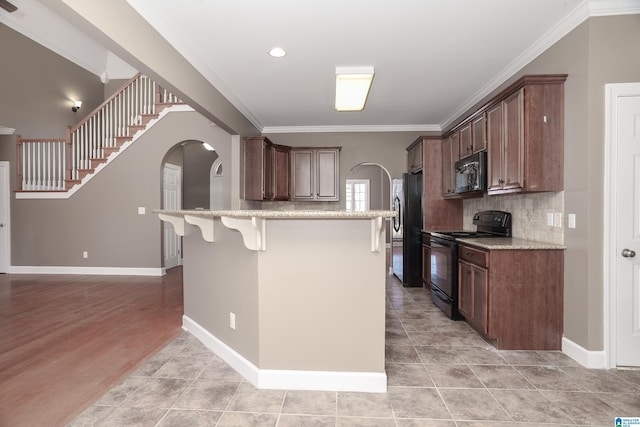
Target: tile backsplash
{"points": [[528, 213]]}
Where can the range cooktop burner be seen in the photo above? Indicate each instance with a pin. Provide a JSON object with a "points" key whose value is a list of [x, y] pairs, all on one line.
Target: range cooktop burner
{"points": [[489, 224]]}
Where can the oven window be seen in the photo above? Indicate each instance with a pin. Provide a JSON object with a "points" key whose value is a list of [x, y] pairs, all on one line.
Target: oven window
{"points": [[441, 267]]}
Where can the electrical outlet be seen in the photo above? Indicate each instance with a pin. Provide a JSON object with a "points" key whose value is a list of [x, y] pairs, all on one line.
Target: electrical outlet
{"points": [[571, 220], [550, 219], [85, 254], [141, 210], [232, 320], [557, 219]]}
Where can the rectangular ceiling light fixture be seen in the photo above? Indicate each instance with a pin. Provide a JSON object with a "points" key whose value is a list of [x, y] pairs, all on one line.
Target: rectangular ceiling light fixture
{"points": [[352, 87]]}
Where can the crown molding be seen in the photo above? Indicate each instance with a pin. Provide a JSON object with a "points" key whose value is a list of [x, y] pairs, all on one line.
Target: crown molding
{"points": [[351, 128], [613, 7]]}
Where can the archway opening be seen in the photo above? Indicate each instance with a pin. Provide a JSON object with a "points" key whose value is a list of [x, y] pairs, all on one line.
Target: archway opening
{"points": [[375, 180]]}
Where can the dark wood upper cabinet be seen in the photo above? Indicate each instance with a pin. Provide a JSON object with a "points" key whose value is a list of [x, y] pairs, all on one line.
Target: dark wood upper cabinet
{"points": [[529, 137], [479, 133], [450, 155], [522, 129], [315, 174], [494, 147], [466, 146], [414, 156], [266, 170], [281, 175]]}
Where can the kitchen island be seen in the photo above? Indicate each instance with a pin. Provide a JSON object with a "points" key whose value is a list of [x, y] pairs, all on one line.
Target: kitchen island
{"points": [[290, 299]]}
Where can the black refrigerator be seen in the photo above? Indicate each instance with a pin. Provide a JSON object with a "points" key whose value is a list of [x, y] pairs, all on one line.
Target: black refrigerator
{"points": [[406, 240]]}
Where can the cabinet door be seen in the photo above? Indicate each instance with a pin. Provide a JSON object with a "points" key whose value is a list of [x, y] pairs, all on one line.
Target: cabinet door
{"points": [[268, 171], [257, 169], [466, 147], [303, 174], [414, 158], [480, 299], [281, 173], [478, 133], [455, 150], [465, 290], [328, 175], [514, 141], [446, 167], [495, 133]]}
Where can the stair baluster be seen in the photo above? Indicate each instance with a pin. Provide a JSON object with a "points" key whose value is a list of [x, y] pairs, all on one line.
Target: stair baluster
{"points": [[60, 164]]}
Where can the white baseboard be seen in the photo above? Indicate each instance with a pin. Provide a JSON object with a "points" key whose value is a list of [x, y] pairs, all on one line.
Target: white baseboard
{"points": [[102, 271], [372, 382], [588, 358]]}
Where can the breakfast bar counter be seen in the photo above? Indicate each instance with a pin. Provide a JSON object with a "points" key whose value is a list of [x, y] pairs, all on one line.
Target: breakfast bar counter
{"points": [[290, 299]]}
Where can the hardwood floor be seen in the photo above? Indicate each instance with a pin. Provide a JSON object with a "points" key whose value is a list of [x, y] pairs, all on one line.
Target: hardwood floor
{"points": [[66, 339]]}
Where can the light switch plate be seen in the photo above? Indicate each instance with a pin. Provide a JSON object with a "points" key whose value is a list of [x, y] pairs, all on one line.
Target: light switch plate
{"points": [[571, 220], [550, 219], [557, 219]]}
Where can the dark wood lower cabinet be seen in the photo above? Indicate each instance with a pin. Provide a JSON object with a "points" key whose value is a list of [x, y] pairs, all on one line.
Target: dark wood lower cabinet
{"points": [[514, 298], [472, 294]]}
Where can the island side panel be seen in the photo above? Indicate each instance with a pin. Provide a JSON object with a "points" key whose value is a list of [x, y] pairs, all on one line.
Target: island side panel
{"points": [[222, 278], [322, 297]]}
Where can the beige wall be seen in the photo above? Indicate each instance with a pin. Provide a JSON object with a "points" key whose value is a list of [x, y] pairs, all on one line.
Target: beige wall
{"points": [[102, 217], [196, 175], [599, 51], [38, 87]]}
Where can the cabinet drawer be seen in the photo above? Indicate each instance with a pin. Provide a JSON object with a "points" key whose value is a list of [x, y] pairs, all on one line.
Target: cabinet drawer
{"points": [[473, 256]]}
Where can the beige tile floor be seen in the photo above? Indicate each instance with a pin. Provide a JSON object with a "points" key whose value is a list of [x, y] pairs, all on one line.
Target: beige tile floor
{"points": [[440, 374]]}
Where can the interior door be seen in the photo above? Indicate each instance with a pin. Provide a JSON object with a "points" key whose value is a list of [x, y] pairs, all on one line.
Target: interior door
{"points": [[628, 231], [5, 238], [171, 200]]}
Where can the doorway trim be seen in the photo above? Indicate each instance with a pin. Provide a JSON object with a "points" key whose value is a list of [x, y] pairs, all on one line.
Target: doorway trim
{"points": [[613, 91], [5, 193]]}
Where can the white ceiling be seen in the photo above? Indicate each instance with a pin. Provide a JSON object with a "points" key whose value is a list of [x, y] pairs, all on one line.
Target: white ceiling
{"points": [[433, 59]]}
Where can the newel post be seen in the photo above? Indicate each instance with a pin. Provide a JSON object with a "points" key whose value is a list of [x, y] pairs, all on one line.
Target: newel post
{"points": [[19, 160], [68, 154]]}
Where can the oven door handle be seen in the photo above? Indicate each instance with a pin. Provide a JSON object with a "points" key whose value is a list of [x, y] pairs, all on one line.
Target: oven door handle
{"points": [[440, 294]]}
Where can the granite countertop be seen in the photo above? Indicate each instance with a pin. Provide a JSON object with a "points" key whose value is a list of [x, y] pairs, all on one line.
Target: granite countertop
{"points": [[290, 214], [497, 243]]}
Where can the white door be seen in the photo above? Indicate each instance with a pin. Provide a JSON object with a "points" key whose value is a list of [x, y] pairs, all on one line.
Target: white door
{"points": [[627, 232], [5, 237], [171, 200]]}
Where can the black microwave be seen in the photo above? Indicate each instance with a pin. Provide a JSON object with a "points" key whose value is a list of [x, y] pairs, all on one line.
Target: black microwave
{"points": [[471, 173]]}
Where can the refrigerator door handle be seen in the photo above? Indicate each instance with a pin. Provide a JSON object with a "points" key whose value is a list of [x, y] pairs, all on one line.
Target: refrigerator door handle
{"points": [[398, 209]]}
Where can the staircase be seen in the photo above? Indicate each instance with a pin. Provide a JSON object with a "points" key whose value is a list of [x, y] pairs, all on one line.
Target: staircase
{"points": [[59, 167]]}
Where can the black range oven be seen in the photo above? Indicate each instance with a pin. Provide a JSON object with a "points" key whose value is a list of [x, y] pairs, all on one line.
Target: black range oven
{"points": [[443, 248]]}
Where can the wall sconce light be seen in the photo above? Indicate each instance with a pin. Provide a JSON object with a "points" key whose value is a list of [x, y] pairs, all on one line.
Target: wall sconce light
{"points": [[76, 106]]}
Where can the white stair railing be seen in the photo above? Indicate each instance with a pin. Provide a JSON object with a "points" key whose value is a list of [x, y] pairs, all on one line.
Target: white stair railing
{"points": [[41, 164], [55, 164]]}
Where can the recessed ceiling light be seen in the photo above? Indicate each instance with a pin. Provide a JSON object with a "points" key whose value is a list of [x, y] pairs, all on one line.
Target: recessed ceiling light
{"points": [[352, 87], [277, 52]]}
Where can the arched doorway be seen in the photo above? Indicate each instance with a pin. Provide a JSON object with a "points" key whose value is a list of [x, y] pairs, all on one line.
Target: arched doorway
{"points": [[187, 170], [375, 180]]}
